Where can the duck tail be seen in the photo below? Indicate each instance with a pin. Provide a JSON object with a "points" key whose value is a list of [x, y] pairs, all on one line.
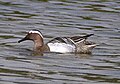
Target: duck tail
{"points": [[86, 36], [92, 46]]}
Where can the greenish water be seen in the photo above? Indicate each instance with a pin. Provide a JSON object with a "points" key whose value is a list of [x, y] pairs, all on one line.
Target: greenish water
{"points": [[60, 18]]}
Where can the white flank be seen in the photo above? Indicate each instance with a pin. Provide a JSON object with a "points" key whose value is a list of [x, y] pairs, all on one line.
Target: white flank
{"points": [[61, 47], [32, 31]]}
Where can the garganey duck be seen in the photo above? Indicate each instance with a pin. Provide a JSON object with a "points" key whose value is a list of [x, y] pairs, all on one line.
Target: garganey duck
{"points": [[73, 44]]}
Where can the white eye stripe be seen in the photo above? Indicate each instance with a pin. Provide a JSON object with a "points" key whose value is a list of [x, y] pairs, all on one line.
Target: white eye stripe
{"points": [[36, 32]]}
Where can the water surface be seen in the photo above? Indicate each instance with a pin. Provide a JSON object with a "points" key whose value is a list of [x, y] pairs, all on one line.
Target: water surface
{"points": [[59, 18]]}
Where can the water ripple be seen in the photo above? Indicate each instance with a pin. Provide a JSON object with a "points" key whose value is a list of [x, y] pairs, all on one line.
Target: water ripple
{"points": [[18, 64]]}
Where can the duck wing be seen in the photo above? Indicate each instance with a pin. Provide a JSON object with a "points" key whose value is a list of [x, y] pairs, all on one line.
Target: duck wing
{"points": [[61, 40], [80, 38], [57, 40], [70, 40]]}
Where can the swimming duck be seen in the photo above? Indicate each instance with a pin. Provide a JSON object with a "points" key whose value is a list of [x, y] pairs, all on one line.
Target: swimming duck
{"points": [[73, 44]]}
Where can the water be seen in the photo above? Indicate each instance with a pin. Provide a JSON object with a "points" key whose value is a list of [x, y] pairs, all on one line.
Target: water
{"points": [[59, 18]]}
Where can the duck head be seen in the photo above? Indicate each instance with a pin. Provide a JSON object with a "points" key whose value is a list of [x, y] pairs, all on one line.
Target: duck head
{"points": [[36, 36]]}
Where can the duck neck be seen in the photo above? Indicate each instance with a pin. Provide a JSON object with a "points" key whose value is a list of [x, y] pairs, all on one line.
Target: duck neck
{"points": [[38, 44]]}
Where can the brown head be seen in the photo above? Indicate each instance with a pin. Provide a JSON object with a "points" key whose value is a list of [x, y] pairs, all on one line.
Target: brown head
{"points": [[36, 36]]}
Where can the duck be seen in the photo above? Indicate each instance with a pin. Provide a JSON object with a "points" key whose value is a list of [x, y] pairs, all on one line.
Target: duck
{"points": [[70, 44]]}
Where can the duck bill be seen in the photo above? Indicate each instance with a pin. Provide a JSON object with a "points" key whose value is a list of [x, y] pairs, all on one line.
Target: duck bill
{"points": [[22, 40]]}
